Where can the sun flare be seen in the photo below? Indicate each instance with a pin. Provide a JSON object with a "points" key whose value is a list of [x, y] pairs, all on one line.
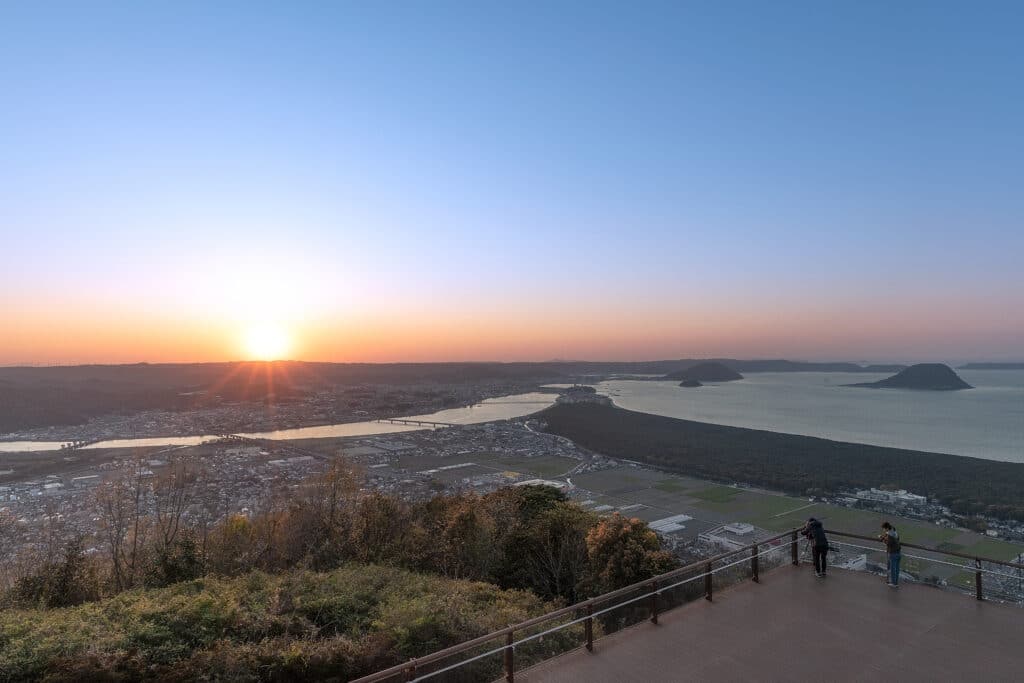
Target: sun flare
{"points": [[267, 342]]}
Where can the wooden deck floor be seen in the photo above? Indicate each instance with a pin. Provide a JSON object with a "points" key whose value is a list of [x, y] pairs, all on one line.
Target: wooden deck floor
{"points": [[792, 626]]}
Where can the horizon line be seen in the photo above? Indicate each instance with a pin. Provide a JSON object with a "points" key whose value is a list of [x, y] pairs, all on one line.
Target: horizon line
{"points": [[552, 361]]}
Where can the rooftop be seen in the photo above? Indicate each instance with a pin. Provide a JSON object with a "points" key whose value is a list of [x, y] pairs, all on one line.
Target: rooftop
{"points": [[792, 626]]}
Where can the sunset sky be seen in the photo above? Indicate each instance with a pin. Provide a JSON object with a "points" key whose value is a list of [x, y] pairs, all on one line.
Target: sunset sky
{"points": [[511, 181]]}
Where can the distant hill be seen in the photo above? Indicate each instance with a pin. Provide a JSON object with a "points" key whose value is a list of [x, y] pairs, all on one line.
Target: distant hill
{"points": [[883, 368], [927, 376], [805, 366], [992, 366], [32, 397], [711, 371]]}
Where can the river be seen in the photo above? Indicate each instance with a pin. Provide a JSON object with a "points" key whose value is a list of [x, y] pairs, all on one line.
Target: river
{"points": [[499, 408]]}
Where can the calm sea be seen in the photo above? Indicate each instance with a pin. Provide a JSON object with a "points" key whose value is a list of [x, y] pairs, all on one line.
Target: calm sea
{"points": [[984, 422]]}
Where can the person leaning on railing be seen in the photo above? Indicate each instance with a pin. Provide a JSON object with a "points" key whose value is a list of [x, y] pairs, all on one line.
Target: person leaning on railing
{"points": [[815, 533], [891, 537]]}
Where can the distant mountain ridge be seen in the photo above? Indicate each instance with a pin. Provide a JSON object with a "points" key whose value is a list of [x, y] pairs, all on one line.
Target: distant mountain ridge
{"points": [[40, 396], [198, 373], [712, 371], [926, 376], [992, 366], [806, 366]]}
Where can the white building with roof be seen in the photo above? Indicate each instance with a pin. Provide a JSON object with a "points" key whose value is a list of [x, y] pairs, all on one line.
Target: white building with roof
{"points": [[735, 536]]}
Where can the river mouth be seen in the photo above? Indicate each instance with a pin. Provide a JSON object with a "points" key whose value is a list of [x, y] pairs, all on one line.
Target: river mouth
{"points": [[489, 410]]}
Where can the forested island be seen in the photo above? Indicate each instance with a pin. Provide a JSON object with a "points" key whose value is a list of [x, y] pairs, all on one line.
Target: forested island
{"points": [[794, 464], [924, 376]]}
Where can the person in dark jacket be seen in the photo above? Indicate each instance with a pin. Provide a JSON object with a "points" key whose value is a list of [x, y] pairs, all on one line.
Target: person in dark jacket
{"points": [[893, 552], [815, 533]]}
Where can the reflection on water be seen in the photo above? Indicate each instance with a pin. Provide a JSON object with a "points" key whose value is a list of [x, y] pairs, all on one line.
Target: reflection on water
{"points": [[500, 408], [984, 422]]}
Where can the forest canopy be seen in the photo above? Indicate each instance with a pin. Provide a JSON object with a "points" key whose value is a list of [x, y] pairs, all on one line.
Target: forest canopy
{"points": [[791, 463]]}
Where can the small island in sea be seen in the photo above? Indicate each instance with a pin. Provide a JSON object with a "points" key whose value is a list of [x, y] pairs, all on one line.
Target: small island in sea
{"points": [[581, 393], [691, 383], [711, 371], [926, 376]]}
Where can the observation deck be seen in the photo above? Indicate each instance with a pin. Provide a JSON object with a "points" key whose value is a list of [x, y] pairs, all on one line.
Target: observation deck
{"points": [[793, 626], [764, 617]]}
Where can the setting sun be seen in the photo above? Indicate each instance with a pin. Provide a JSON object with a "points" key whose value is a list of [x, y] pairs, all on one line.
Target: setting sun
{"points": [[267, 342]]}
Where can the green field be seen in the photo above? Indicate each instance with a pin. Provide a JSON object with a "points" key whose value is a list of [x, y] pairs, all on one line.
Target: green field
{"points": [[926, 534], [719, 504], [962, 579], [845, 519], [716, 494], [603, 481], [671, 486], [544, 466], [995, 549], [757, 508], [865, 523], [769, 507]]}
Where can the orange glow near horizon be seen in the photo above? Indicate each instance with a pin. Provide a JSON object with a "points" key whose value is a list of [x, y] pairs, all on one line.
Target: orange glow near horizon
{"points": [[406, 333], [267, 341]]}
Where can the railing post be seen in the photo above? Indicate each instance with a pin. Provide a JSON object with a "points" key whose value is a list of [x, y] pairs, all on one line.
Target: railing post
{"points": [[510, 665], [977, 579], [589, 626], [795, 550], [707, 581], [410, 673], [654, 602], [753, 564]]}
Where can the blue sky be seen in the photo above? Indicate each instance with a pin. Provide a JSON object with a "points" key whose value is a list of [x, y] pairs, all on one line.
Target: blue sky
{"points": [[523, 164]]}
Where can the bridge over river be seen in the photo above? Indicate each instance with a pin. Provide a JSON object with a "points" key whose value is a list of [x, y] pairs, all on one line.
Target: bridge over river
{"points": [[415, 423]]}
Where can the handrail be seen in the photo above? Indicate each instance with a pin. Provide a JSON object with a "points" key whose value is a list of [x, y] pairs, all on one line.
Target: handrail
{"points": [[585, 604], [655, 590], [993, 572], [974, 558], [655, 584]]}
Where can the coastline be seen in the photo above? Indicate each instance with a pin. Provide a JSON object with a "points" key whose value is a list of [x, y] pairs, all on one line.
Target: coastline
{"points": [[986, 422], [796, 464]]}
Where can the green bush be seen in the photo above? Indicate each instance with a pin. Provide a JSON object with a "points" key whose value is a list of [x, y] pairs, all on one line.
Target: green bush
{"points": [[70, 580], [339, 624]]}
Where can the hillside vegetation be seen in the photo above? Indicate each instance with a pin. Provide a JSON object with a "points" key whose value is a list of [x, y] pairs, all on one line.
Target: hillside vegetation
{"points": [[337, 582], [297, 625]]}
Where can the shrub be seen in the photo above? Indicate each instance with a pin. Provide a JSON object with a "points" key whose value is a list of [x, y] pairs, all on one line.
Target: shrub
{"points": [[340, 624], [70, 580]]}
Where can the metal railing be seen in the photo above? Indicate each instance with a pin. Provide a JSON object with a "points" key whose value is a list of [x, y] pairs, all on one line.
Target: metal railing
{"points": [[413, 670], [416, 669], [979, 570]]}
